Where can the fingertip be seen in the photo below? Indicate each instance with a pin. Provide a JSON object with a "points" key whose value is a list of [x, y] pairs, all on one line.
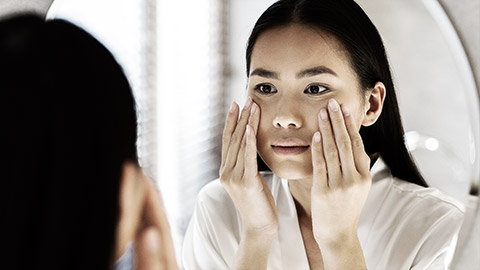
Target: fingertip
{"points": [[254, 119], [323, 115], [253, 109], [233, 107], [345, 110], [333, 105], [316, 137], [249, 102]]}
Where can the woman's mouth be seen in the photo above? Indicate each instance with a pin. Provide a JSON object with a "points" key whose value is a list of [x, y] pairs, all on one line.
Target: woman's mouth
{"points": [[289, 147], [289, 150]]}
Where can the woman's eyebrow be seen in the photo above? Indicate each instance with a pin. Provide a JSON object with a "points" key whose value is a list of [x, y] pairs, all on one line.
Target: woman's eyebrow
{"points": [[316, 71], [304, 73], [264, 73]]}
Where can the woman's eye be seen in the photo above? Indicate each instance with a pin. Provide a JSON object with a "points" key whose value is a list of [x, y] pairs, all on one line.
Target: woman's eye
{"points": [[265, 89], [314, 89]]}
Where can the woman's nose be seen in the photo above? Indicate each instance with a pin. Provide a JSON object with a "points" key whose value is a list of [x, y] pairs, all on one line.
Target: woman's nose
{"points": [[287, 117]]}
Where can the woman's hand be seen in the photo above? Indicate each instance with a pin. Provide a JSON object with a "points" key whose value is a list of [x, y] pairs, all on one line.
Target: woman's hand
{"points": [[239, 174], [341, 182], [142, 220], [153, 242]]}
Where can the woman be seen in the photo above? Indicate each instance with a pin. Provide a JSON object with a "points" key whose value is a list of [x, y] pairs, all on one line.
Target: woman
{"points": [[73, 195], [344, 192]]}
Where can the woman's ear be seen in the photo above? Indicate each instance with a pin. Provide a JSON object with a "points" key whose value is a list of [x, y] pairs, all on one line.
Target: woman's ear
{"points": [[374, 104]]}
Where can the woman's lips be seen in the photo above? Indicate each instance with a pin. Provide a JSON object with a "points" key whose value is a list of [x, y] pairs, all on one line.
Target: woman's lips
{"points": [[289, 150], [289, 146]]}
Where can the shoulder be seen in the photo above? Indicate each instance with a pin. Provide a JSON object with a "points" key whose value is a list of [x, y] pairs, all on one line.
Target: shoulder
{"points": [[418, 211], [404, 197], [426, 199], [430, 219], [409, 225], [398, 207]]}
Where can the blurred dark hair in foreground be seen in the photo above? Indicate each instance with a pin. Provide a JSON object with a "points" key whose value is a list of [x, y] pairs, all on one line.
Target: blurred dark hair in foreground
{"points": [[68, 123]]}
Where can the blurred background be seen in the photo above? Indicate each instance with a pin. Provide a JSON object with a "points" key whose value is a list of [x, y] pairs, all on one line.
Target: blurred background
{"points": [[185, 61]]}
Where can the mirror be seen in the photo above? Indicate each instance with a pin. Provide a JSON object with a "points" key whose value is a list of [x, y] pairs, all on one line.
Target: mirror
{"points": [[428, 63], [435, 86]]}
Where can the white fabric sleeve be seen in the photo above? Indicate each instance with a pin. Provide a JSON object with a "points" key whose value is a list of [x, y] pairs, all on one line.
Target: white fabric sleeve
{"points": [[213, 235], [199, 249]]}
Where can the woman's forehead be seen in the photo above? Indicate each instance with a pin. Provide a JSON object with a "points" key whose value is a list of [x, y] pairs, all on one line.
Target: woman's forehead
{"points": [[297, 47]]}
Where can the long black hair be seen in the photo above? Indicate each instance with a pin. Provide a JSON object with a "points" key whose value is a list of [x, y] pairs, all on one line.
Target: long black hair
{"points": [[345, 20], [68, 123]]}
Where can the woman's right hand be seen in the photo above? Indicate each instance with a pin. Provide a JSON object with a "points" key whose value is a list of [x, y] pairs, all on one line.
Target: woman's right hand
{"points": [[239, 173]]}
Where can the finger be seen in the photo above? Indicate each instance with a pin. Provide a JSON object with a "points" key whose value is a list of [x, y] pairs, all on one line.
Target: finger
{"points": [[148, 251], [155, 217], [239, 169], [319, 166], [254, 118], [342, 140], [237, 137], [249, 146], [230, 124], [330, 151], [251, 168], [360, 157]]}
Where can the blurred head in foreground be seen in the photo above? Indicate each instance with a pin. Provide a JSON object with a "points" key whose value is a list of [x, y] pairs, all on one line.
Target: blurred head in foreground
{"points": [[68, 138]]}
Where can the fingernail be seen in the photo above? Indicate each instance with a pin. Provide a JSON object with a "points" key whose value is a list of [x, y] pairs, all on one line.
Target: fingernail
{"points": [[316, 137], [248, 130], [253, 109], [249, 102], [233, 107], [333, 105], [345, 110], [324, 115]]}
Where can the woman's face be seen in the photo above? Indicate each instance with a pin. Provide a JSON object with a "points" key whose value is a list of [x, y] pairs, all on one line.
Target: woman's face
{"points": [[294, 71]]}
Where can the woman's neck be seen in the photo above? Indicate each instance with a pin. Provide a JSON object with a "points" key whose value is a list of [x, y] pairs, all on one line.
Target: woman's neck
{"points": [[301, 190]]}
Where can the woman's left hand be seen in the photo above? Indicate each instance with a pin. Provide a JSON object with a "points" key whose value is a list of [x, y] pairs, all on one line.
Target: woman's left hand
{"points": [[341, 182]]}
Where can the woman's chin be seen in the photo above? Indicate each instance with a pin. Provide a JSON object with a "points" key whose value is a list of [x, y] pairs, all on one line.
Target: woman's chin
{"points": [[292, 174]]}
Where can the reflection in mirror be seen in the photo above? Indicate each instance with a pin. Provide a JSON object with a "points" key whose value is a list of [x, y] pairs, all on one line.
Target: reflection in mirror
{"points": [[437, 136]]}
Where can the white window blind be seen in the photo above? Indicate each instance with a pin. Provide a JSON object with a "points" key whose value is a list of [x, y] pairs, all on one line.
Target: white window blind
{"points": [[190, 102]]}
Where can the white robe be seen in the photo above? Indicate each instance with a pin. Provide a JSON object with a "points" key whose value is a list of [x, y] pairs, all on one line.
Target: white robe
{"points": [[402, 226]]}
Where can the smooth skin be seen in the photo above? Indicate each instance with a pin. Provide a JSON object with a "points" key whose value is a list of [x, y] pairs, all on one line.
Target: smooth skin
{"points": [[302, 82]]}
